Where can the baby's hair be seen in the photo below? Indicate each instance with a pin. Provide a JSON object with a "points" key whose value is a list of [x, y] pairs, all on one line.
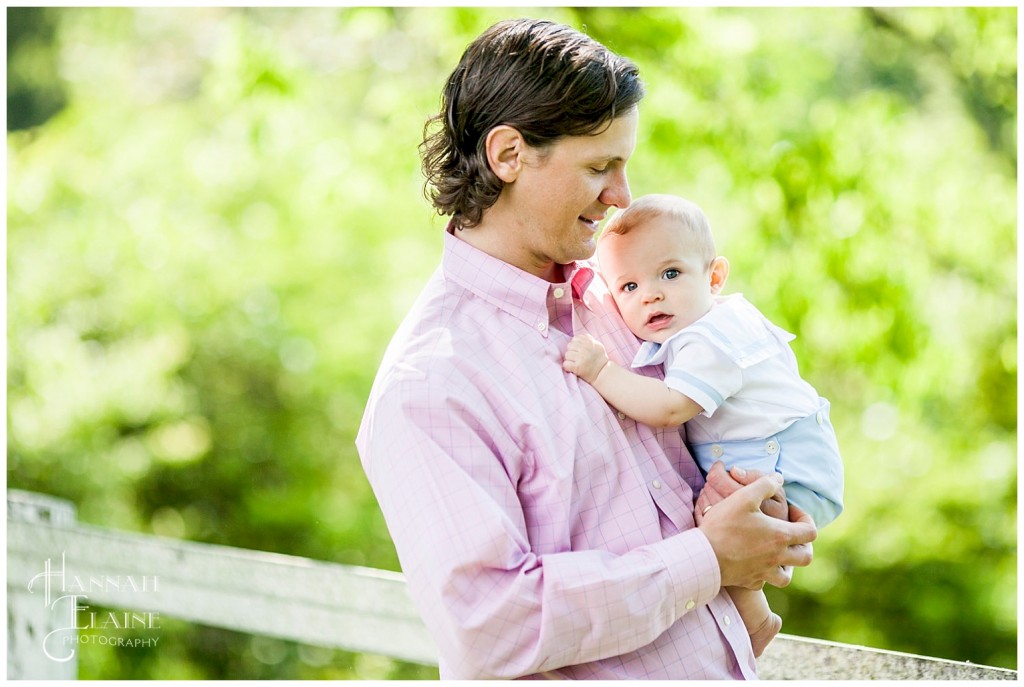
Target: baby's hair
{"points": [[690, 217]]}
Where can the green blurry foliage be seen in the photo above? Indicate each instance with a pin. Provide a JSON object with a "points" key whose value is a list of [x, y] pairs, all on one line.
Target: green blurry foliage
{"points": [[34, 91], [211, 244]]}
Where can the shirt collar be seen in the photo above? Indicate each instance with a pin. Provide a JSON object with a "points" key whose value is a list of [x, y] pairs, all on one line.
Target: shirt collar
{"points": [[582, 276], [520, 294]]}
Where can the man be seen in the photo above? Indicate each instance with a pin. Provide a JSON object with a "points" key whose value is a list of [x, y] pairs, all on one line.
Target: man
{"points": [[543, 533]]}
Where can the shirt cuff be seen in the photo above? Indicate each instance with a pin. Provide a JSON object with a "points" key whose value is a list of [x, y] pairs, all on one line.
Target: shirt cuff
{"points": [[693, 569], [704, 395]]}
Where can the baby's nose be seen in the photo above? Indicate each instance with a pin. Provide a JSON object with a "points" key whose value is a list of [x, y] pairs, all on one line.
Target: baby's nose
{"points": [[652, 295]]}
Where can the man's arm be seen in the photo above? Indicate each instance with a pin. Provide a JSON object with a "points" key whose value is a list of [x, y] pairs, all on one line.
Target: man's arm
{"points": [[644, 399], [495, 607]]}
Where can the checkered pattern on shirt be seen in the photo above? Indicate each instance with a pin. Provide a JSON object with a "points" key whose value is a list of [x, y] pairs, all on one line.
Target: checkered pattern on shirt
{"points": [[540, 530]]}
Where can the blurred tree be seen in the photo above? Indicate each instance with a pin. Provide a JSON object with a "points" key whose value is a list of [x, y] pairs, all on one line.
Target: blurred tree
{"points": [[35, 92], [976, 48], [211, 244]]}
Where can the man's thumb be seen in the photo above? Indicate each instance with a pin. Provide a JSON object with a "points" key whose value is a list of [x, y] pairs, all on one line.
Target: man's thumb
{"points": [[763, 488]]}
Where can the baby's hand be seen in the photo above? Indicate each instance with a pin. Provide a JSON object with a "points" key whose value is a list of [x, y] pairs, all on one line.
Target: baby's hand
{"points": [[585, 357]]}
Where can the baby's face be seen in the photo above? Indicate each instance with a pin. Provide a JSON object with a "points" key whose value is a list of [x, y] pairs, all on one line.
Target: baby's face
{"points": [[659, 283]]}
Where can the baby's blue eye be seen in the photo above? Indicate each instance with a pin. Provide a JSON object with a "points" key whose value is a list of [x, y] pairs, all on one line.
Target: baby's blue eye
{"points": [[671, 273], [630, 286]]}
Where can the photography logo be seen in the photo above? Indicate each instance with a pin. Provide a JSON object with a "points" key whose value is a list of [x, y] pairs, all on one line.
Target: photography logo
{"points": [[65, 595]]}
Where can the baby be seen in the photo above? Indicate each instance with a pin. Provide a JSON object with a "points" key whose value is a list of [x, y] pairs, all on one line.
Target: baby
{"points": [[730, 374]]}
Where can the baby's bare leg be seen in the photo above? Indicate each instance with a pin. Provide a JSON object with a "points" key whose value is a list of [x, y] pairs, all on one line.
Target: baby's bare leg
{"points": [[761, 623]]}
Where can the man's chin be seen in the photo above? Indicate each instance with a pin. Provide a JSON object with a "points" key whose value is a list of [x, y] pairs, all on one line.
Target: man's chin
{"points": [[586, 252]]}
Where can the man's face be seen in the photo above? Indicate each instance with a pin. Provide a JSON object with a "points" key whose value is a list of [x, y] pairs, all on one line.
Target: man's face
{"points": [[659, 282], [563, 192]]}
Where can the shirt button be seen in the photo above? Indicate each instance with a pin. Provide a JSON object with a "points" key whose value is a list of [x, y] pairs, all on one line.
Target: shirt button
{"points": [[728, 621], [772, 447], [717, 451], [622, 416], [656, 484], [690, 604], [541, 326], [559, 292]]}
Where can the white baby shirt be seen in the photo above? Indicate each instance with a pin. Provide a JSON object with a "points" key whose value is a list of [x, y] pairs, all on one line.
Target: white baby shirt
{"points": [[739, 368]]}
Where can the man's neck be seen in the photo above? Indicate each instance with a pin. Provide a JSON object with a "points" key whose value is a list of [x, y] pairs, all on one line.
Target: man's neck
{"points": [[499, 242]]}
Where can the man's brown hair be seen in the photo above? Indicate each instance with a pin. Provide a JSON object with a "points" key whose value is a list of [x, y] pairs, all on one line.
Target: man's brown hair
{"points": [[544, 79]]}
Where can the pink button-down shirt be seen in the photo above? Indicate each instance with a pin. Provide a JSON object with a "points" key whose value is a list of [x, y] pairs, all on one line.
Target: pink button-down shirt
{"points": [[541, 532]]}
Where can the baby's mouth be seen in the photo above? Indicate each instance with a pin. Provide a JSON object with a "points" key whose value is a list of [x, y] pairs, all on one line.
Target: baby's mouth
{"points": [[658, 319]]}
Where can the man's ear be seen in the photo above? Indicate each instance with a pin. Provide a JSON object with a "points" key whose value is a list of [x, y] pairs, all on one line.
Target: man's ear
{"points": [[719, 273], [504, 146]]}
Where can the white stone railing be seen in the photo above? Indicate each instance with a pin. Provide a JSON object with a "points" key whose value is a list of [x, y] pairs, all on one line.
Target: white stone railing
{"points": [[288, 597]]}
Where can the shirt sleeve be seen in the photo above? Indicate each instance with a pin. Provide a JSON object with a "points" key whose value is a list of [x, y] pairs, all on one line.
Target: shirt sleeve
{"points": [[495, 608], [703, 373]]}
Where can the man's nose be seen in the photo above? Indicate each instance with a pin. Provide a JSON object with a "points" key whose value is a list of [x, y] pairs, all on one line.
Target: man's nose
{"points": [[617, 191]]}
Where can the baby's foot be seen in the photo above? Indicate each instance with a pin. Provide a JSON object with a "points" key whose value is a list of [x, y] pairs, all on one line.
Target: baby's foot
{"points": [[762, 636]]}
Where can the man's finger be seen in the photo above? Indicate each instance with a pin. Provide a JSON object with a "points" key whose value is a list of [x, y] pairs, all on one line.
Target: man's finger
{"points": [[717, 469], [781, 576], [801, 529], [721, 480], [762, 489], [745, 476], [798, 514], [800, 556]]}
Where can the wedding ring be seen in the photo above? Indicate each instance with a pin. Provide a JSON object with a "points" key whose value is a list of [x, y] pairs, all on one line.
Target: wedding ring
{"points": [[705, 511]]}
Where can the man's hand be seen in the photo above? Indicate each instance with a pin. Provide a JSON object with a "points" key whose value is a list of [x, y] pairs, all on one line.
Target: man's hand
{"points": [[585, 357], [751, 547], [720, 484]]}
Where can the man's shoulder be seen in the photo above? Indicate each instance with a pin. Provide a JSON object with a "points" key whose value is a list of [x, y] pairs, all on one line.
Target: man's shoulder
{"points": [[436, 340]]}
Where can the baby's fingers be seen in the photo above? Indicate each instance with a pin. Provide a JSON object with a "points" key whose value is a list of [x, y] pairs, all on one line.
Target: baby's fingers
{"points": [[571, 363]]}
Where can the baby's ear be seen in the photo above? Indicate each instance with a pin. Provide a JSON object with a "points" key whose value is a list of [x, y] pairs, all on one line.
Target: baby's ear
{"points": [[719, 273]]}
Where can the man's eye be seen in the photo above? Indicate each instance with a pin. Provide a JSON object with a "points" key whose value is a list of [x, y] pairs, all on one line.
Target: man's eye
{"points": [[598, 170], [671, 273], [631, 286]]}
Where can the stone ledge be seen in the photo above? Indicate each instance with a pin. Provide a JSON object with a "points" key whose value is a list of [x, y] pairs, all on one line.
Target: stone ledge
{"points": [[800, 658]]}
